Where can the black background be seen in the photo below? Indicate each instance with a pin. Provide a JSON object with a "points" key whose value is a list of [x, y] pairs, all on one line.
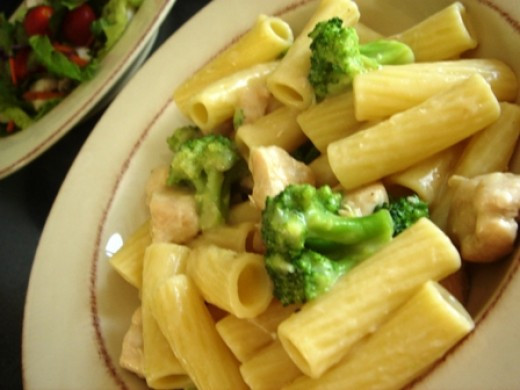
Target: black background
{"points": [[25, 201]]}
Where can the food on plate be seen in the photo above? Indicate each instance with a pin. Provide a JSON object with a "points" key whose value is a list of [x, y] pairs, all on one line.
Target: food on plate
{"points": [[48, 48], [301, 237]]}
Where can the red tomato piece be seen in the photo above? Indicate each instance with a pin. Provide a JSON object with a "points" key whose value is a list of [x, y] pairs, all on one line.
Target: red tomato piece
{"points": [[18, 66], [77, 23], [37, 20]]}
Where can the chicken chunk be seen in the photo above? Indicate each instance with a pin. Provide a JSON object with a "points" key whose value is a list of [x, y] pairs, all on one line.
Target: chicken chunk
{"points": [[132, 351], [364, 200], [483, 215], [273, 169], [173, 211]]}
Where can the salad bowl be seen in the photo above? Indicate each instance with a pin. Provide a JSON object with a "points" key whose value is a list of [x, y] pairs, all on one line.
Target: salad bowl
{"points": [[114, 70], [78, 309]]}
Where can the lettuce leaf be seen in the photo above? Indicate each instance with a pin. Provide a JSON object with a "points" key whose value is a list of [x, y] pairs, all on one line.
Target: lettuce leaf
{"points": [[113, 21], [57, 63], [18, 116]]}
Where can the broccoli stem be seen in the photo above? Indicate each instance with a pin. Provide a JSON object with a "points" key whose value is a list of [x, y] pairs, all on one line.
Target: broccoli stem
{"points": [[209, 200], [326, 231]]}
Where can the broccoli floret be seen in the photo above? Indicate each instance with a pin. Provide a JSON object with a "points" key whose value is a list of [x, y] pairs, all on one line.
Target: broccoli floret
{"points": [[209, 164], [181, 135], [337, 56], [309, 245], [405, 211]]}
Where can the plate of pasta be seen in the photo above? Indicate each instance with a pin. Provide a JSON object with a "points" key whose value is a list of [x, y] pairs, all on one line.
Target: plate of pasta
{"points": [[322, 195]]}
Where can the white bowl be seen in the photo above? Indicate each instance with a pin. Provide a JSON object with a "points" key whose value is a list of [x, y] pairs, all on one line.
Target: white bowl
{"points": [[115, 70], [78, 308]]}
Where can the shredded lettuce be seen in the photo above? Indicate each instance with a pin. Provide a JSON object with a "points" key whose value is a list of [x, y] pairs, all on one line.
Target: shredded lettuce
{"points": [[18, 116], [113, 21], [57, 63]]}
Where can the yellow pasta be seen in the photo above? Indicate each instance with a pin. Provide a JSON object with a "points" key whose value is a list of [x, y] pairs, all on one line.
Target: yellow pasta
{"points": [[488, 151], [269, 369], [235, 282], [289, 83], [278, 128], [324, 330], [415, 336], [181, 311], [443, 35], [394, 88], [415, 134], [216, 103], [243, 212], [323, 172], [128, 260], [161, 367], [242, 336], [267, 39], [238, 238], [427, 177], [332, 119]]}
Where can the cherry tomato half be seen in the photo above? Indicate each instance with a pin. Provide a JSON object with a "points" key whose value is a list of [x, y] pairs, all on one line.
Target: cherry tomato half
{"points": [[36, 21], [76, 25]]}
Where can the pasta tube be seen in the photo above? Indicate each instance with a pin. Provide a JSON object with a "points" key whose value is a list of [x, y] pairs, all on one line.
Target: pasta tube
{"points": [[238, 238], [181, 311], [242, 336], [428, 177], [332, 119], [267, 39], [391, 89], [323, 172], [216, 103], [416, 335], [161, 367], [128, 260], [235, 282], [279, 128], [443, 35], [269, 369], [325, 329], [415, 134], [289, 83]]}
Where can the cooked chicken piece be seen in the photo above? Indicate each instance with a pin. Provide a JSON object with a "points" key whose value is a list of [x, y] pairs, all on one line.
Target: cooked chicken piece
{"points": [[156, 181], [364, 200], [273, 169], [483, 213], [254, 101], [132, 351], [173, 215]]}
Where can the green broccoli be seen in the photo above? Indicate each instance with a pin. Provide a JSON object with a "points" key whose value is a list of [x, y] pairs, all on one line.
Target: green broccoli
{"points": [[209, 164], [337, 56], [405, 211], [309, 245], [181, 135]]}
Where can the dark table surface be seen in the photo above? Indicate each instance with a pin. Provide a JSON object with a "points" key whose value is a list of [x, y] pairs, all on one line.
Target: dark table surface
{"points": [[25, 201]]}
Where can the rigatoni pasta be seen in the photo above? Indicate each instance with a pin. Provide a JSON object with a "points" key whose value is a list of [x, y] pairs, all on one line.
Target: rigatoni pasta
{"points": [[236, 282], [394, 88], [402, 347], [324, 330], [289, 83], [444, 35], [269, 37], [415, 134], [180, 310]]}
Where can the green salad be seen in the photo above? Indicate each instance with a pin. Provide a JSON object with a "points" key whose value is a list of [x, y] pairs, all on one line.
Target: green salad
{"points": [[50, 47]]}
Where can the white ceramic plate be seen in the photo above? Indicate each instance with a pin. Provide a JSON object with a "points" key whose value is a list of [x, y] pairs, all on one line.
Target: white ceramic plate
{"points": [[116, 68], [78, 308]]}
